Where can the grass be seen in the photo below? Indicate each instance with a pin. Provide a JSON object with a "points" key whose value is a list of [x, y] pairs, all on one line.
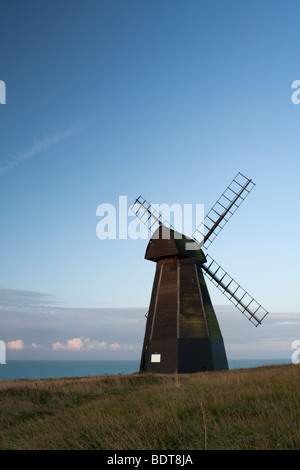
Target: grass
{"points": [[243, 409]]}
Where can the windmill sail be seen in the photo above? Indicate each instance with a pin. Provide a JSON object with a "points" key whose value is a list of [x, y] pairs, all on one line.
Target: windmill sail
{"points": [[223, 209], [238, 296], [149, 216], [214, 222]]}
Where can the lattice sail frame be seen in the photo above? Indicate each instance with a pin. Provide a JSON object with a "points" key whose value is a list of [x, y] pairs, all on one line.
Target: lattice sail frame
{"points": [[230, 200], [149, 216], [254, 311]]}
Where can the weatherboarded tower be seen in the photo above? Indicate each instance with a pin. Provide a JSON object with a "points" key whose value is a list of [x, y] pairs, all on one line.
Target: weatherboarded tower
{"points": [[182, 332]]}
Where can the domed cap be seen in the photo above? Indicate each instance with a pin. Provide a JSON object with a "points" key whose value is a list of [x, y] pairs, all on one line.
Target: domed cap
{"points": [[166, 242]]}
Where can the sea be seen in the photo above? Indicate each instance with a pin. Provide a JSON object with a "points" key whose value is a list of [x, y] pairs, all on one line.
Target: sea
{"points": [[42, 369]]}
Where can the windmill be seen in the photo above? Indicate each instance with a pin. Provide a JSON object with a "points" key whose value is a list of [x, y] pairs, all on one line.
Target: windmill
{"points": [[182, 333]]}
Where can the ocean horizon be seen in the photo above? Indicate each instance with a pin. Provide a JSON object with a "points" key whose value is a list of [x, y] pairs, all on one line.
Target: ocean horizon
{"points": [[49, 369]]}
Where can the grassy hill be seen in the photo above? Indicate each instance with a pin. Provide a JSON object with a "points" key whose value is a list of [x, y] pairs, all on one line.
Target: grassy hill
{"points": [[237, 409]]}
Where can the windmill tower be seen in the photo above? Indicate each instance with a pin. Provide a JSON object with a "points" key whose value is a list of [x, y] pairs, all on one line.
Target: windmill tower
{"points": [[182, 332]]}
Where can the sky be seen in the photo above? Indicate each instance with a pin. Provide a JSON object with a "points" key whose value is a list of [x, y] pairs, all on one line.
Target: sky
{"points": [[164, 99]]}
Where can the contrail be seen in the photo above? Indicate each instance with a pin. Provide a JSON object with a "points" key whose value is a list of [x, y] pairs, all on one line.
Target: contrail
{"points": [[37, 147]]}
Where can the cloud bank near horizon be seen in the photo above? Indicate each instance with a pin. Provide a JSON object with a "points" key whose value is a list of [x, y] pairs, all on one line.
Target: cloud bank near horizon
{"points": [[84, 344], [37, 325]]}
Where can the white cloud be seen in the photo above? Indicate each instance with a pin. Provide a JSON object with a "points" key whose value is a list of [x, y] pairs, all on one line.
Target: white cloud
{"points": [[83, 344], [16, 345], [58, 346], [75, 344]]}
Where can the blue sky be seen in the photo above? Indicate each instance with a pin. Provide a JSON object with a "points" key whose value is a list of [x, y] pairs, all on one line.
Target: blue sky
{"points": [[168, 99]]}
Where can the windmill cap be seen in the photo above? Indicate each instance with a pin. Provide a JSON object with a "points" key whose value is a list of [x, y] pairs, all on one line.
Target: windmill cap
{"points": [[166, 242]]}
